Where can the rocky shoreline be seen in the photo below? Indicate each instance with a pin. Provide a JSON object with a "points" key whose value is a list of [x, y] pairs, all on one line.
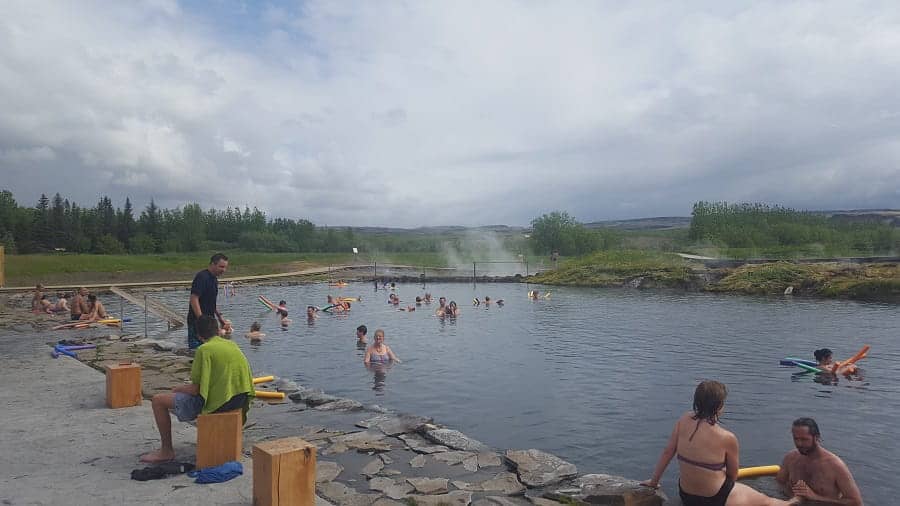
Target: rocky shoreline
{"points": [[367, 455]]}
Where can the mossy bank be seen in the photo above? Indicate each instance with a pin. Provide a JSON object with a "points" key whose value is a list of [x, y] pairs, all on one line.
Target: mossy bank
{"points": [[639, 269]]}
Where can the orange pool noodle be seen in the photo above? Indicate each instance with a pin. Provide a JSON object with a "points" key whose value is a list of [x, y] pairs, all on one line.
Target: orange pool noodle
{"points": [[861, 354]]}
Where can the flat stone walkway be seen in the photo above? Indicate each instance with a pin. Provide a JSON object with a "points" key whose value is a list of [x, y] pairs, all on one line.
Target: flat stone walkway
{"points": [[59, 444]]}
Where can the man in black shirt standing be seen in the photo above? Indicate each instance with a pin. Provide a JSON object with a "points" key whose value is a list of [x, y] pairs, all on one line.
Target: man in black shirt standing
{"points": [[204, 291]]}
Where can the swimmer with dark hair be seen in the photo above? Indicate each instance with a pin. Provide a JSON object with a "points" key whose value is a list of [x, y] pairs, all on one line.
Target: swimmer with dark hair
{"points": [[823, 358], [283, 314], [824, 361], [255, 335], [312, 312]]}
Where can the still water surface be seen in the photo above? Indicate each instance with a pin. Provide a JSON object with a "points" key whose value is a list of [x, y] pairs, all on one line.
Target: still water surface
{"points": [[597, 376]]}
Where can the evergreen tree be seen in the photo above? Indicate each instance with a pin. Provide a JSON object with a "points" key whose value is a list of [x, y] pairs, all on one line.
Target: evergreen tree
{"points": [[150, 223], [126, 225], [42, 232], [57, 222]]}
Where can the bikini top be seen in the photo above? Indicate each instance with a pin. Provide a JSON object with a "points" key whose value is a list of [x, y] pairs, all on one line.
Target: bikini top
{"points": [[703, 465], [379, 357]]}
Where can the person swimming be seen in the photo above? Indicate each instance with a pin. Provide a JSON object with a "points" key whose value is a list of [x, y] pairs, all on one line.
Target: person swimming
{"points": [[825, 362], [255, 335], [823, 358], [283, 314]]}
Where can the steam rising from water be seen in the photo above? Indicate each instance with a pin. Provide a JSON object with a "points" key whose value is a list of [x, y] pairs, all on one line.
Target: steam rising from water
{"points": [[487, 250]]}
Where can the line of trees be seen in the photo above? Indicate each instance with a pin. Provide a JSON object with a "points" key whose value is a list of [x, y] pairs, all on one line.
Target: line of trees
{"points": [[56, 224], [755, 225]]}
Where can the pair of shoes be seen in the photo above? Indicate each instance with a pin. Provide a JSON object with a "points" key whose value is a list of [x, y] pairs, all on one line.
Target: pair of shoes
{"points": [[160, 471]]}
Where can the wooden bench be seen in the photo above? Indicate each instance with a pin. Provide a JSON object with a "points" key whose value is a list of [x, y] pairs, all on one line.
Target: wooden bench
{"points": [[284, 473], [220, 438]]}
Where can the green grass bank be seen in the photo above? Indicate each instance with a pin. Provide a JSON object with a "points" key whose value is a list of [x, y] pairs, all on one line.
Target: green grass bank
{"points": [[641, 269], [51, 269]]}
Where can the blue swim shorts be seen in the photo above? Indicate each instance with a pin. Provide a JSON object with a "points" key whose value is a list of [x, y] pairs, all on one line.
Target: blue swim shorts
{"points": [[187, 407]]}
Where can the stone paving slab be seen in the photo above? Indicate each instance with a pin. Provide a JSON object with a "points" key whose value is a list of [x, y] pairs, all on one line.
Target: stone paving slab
{"points": [[59, 444]]}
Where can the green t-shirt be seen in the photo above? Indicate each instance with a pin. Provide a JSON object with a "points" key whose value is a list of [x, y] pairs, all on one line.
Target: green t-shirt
{"points": [[222, 371]]}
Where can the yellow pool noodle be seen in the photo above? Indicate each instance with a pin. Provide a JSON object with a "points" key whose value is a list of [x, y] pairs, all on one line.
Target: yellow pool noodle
{"points": [[269, 395], [263, 379], [753, 472]]}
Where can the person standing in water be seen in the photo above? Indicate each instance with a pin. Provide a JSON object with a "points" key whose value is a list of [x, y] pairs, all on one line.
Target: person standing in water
{"points": [[379, 353], [256, 334]]}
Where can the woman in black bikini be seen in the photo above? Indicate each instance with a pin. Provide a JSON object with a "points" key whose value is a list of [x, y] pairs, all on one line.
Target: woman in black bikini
{"points": [[707, 456]]}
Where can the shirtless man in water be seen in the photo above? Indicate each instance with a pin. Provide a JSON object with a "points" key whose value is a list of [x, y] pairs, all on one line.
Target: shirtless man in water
{"points": [[814, 473]]}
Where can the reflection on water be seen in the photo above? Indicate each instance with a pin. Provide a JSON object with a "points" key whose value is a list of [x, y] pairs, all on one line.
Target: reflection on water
{"points": [[379, 375], [597, 376]]}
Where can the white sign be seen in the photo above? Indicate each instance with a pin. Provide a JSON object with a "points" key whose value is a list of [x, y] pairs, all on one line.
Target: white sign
{"points": [[355, 251]]}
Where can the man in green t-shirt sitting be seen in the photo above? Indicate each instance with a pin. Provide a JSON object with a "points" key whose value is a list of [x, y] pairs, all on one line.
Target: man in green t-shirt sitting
{"points": [[220, 381]]}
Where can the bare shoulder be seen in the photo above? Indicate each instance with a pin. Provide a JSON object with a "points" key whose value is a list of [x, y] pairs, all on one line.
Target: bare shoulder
{"points": [[791, 457], [836, 462]]}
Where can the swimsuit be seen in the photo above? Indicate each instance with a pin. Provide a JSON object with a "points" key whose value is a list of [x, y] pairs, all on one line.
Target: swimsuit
{"points": [[702, 465], [379, 358], [719, 499], [698, 500]]}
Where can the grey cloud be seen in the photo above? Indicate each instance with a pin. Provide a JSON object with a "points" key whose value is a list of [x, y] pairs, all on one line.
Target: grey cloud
{"points": [[463, 113]]}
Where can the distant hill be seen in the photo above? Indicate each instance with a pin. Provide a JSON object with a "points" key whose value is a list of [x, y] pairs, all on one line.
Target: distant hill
{"points": [[889, 216], [659, 223], [886, 216], [439, 230]]}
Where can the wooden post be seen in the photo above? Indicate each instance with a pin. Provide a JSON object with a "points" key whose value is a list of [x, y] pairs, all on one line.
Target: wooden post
{"points": [[219, 438], [284, 473], [123, 385]]}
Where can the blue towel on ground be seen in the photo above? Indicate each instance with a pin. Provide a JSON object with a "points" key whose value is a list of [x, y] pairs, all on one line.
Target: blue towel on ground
{"points": [[218, 474]]}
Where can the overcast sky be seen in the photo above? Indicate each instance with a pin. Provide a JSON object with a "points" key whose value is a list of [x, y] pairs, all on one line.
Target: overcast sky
{"points": [[437, 113]]}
